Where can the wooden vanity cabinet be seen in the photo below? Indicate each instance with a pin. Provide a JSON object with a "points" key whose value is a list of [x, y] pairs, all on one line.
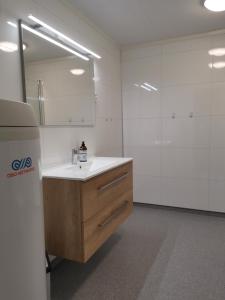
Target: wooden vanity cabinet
{"points": [[81, 215]]}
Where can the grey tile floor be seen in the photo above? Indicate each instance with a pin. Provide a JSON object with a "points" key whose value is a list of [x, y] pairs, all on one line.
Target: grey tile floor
{"points": [[158, 254]]}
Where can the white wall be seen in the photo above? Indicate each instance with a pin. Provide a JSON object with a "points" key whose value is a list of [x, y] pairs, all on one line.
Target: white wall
{"points": [[177, 161], [10, 81], [106, 137]]}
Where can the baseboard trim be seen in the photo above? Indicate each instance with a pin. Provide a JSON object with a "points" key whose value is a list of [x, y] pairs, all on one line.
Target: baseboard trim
{"points": [[182, 209]]}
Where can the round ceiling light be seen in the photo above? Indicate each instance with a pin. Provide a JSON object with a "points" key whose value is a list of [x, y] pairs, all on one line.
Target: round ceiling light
{"points": [[217, 52], [77, 71], [215, 5]]}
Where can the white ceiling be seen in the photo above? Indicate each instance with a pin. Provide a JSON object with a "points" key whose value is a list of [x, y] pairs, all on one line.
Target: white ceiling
{"points": [[135, 21]]}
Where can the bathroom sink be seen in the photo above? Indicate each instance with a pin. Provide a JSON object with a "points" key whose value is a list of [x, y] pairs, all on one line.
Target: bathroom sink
{"points": [[92, 165], [85, 170]]}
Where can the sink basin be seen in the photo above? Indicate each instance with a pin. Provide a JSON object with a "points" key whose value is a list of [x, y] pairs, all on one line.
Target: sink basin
{"points": [[85, 170], [92, 165]]}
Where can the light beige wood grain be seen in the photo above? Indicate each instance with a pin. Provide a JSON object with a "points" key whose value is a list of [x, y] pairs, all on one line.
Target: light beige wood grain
{"points": [[93, 199], [80, 216], [99, 228], [62, 212]]}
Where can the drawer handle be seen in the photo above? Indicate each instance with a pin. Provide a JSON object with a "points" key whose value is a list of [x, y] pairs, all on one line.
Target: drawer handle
{"points": [[114, 215], [115, 181]]}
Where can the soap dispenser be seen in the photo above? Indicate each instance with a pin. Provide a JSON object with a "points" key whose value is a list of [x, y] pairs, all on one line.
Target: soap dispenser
{"points": [[83, 152]]}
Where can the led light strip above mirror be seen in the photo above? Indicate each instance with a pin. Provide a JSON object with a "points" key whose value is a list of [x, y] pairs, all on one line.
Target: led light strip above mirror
{"points": [[63, 36], [53, 41]]}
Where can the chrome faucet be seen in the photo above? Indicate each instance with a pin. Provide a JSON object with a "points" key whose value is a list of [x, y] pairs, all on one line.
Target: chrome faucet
{"points": [[74, 156]]}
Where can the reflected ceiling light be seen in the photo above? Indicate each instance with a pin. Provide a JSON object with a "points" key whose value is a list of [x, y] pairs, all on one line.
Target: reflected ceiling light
{"points": [[24, 46], [77, 72], [8, 47], [217, 51], [150, 86], [215, 5], [12, 24], [54, 42], [145, 87], [137, 85], [217, 65], [63, 36]]}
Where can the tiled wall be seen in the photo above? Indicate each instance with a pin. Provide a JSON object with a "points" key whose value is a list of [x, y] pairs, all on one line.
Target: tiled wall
{"points": [[67, 99], [10, 83], [177, 133], [105, 138]]}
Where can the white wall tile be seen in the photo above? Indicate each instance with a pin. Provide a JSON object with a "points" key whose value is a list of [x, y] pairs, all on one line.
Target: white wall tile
{"points": [[217, 164], [131, 103], [141, 51], [143, 70], [115, 104], [216, 195], [185, 163], [150, 104], [142, 132], [146, 160], [186, 132], [57, 143], [10, 79], [102, 100], [218, 41], [183, 99], [189, 44], [54, 149], [139, 103], [185, 153], [218, 98], [147, 189], [217, 131], [186, 68], [187, 193], [218, 74]]}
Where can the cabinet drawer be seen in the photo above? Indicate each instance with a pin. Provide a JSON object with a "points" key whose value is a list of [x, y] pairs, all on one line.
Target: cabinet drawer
{"points": [[99, 192], [98, 229]]}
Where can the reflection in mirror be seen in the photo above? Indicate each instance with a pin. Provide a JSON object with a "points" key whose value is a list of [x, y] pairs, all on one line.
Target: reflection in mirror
{"points": [[59, 86]]}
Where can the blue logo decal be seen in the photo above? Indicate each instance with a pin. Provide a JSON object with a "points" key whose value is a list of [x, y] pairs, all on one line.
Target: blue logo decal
{"points": [[22, 164]]}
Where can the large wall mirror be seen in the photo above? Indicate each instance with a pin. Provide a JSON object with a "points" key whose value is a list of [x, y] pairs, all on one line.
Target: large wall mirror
{"points": [[59, 85]]}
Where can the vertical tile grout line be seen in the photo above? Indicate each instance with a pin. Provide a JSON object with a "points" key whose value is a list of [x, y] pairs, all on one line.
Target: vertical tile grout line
{"points": [[210, 127], [122, 104], [161, 127]]}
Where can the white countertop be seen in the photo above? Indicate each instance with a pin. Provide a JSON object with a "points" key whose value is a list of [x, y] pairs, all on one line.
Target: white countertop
{"points": [[84, 171]]}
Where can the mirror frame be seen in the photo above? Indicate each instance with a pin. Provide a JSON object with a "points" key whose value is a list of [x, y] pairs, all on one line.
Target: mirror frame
{"points": [[20, 32]]}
